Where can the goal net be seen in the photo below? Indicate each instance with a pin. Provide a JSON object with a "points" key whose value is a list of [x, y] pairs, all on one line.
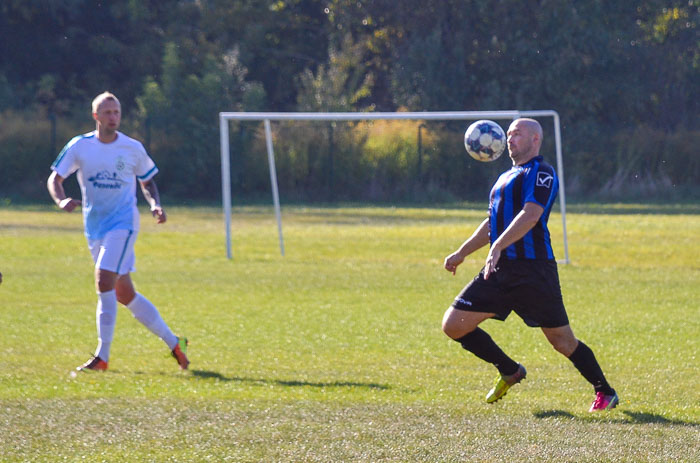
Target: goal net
{"points": [[266, 118]]}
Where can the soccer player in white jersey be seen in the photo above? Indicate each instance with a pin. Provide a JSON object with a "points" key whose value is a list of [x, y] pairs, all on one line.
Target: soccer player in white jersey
{"points": [[108, 164]]}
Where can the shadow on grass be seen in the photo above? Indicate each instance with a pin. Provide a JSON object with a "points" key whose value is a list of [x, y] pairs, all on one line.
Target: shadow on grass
{"points": [[292, 383], [553, 414], [644, 417], [631, 418]]}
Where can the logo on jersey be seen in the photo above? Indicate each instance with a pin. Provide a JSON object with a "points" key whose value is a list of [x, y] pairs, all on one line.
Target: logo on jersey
{"points": [[106, 180], [544, 179], [120, 163]]}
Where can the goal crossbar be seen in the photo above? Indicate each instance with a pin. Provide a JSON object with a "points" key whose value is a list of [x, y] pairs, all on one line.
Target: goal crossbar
{"points": [[266, 117]]}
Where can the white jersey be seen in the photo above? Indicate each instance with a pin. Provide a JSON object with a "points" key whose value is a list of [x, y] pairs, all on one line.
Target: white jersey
{"points": [[107, 174]]}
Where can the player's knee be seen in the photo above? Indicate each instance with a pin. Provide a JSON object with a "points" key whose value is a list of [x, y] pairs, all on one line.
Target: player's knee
{"points": [[453, 327], [104, 285], [564, 344], [125, 293], [125, 298], [105, 280], [448, 329], [446, 326]]}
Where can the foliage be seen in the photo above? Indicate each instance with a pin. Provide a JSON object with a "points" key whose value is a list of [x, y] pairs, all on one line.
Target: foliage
{"points": [[651, 161], [608, 68], [338, 87], [28, 149], [179, 115], [85, 47], [22, 150]]}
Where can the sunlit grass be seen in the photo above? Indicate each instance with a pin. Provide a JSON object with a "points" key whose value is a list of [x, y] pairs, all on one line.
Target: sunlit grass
{"points": [[334, 351]]}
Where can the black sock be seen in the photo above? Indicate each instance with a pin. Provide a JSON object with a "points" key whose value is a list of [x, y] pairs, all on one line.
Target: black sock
{"points": [[479, 343], [585, 362]]}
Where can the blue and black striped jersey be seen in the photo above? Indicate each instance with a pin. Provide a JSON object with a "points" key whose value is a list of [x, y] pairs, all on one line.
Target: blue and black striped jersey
{"points": [[536, 182]]}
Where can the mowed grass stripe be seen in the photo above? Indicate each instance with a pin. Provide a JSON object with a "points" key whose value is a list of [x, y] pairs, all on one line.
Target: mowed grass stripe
{"points": [[334, 352]]}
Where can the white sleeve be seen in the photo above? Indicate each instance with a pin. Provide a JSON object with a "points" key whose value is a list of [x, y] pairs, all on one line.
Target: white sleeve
{"points": [[66, 163], [145, 167]]}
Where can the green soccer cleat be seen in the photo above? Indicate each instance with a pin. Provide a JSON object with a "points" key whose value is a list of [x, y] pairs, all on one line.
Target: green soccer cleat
{"points": [[180, 353], [503, 383]]}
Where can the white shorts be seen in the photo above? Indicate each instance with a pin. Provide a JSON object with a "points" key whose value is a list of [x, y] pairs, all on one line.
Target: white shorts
{"points": [[115, 251]]}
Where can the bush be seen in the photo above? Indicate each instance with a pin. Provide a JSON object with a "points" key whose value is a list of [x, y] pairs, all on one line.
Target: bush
{"points": [[27, 151], [644, 163], [348, 161], [370, 160]]}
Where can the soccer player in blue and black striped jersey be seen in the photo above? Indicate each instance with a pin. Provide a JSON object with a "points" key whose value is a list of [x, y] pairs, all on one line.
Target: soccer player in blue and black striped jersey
{"points": [[520, 273]]}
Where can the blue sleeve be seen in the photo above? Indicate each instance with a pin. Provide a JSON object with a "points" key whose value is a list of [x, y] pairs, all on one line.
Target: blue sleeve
{"points": [[540, 185]]}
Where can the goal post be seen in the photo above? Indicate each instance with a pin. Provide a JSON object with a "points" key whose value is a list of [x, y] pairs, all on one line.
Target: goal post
{"points": [[266, 118]]}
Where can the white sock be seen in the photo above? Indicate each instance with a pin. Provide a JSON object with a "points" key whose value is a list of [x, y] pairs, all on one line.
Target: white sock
{"points": [[146, 313], [106, 320]]}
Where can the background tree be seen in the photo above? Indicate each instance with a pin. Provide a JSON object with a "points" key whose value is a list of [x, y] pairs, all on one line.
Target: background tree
{"points": [[617, 72], [181, 113]]}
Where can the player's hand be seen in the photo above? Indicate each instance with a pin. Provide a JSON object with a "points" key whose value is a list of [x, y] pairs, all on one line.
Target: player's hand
{"points": [[452, 262], [491, 261], [159, 214], [68, 204]]}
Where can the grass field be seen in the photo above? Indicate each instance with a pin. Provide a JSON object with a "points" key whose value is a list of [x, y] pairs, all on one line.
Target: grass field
{"points": [[334, 352]]}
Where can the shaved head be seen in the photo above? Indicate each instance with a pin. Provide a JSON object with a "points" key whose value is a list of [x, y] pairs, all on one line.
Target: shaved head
{"points": [[524, 140], [532, 126]]}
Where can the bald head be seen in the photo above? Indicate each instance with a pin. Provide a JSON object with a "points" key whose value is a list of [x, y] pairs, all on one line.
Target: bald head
{"points": [[524, 140], [531, 126]]}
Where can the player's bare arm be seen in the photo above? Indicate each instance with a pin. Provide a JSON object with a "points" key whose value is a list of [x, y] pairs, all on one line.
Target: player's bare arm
{"points": [[58, 194], [478, 240], [150, 192], [521, 224]]}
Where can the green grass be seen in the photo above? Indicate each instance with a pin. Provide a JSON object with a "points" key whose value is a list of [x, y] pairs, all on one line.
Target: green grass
{"points": [[334, 352]]}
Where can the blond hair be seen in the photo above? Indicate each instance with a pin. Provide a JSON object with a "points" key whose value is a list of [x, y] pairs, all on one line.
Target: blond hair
{"points": [[102, 97]]}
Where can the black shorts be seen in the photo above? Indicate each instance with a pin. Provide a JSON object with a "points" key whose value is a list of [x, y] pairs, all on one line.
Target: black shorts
{"points": [[530, 288]]}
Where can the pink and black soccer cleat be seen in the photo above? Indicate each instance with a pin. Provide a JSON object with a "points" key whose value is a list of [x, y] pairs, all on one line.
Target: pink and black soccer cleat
{"points": [[604, 402]]}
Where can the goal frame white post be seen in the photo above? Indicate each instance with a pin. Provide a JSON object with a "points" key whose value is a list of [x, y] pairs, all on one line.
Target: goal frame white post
{"points": [[266, 117]]}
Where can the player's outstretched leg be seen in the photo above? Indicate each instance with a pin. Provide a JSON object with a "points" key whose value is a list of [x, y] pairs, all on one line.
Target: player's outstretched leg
{"points": [[145, 312], [585, 362], [563, 340], [479, 343]]}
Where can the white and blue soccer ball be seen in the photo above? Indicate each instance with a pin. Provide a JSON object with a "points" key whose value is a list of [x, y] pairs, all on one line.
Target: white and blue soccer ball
{"points": [[485, 140]]}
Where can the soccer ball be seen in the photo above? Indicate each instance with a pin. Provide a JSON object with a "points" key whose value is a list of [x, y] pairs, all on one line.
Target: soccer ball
{"points": [[485, 140]]}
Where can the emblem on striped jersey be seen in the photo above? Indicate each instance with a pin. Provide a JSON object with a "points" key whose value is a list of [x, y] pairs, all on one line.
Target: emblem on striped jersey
{"points": [[544, 179]]}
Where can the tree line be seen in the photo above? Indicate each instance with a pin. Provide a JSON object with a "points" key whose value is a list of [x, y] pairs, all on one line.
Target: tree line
{"points": [[624, 76]]}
